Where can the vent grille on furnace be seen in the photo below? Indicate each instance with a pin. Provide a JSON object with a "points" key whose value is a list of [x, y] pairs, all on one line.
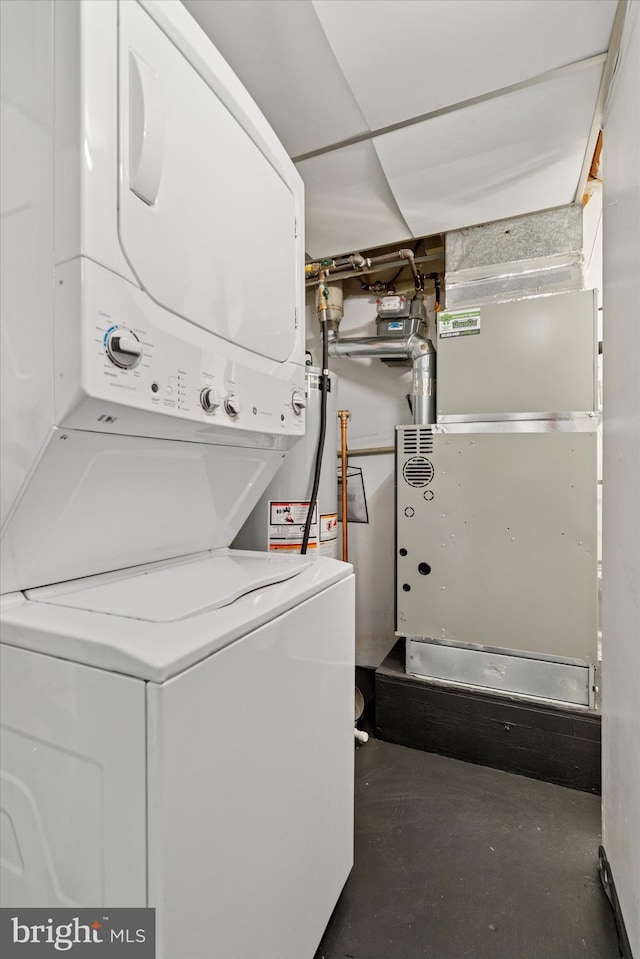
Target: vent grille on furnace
{"points": [[418, 471], [417, 441]]}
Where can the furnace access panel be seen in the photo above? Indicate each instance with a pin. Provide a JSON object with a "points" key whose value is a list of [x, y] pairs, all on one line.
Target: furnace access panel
{"points": [[518, 359], [496, 537]]}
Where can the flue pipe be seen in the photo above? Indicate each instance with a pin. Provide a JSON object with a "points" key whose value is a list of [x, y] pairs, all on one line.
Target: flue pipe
{"points": [[382, 347], [343, 416], [423, 388], [415, 348]]}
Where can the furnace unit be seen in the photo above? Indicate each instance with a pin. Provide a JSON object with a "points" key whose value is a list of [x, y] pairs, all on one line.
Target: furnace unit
{"points": [[496, 528]]}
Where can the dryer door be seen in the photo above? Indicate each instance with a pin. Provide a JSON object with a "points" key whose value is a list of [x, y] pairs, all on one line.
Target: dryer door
{"points": [[206, 221]]}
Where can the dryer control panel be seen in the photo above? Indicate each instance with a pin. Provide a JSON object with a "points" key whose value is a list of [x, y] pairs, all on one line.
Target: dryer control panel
{"points": [[145, 371]]}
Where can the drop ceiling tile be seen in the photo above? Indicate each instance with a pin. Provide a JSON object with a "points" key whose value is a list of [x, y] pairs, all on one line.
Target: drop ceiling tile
{"points": [[504, 157], [405, 58], [349, 205], [280, 52]]}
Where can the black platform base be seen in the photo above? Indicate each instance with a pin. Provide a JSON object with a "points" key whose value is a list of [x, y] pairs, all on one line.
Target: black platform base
{"points": [[544, 742]]}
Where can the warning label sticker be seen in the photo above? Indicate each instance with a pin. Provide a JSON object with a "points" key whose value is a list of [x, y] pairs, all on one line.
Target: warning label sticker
{"points": [[328, 526], [329, 535], [458, 323], [286, 525]]}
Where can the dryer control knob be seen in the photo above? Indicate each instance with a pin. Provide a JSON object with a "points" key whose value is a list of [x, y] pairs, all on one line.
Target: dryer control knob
{"points": [[233, 404], [298, 401], [209, 400], [124, 348]]}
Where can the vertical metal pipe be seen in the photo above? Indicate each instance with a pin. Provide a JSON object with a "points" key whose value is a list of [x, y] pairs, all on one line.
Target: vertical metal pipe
{"points": [[343, 416], [423, 388]]}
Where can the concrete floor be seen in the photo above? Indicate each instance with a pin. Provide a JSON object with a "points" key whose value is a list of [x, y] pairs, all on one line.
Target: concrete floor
{"points": [[457, 861]]}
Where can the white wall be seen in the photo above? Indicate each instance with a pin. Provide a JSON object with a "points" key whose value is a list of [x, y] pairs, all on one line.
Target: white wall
{"points": [[592, 247], [375, 395], [621, 481]]}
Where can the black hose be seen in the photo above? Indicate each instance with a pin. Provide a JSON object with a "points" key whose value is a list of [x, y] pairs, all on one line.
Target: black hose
{"points": [[324, 388]]}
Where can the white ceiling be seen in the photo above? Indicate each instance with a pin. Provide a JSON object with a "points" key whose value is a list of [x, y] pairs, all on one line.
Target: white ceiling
{"points": [[327, 71]]}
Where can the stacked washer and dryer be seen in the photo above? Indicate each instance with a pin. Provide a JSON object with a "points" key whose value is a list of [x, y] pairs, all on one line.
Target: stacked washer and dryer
{"points": [[158, 745]]}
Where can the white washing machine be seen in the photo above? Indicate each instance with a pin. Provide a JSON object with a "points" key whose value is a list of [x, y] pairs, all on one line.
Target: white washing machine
{"points": [[173, 739], [176, 716]]}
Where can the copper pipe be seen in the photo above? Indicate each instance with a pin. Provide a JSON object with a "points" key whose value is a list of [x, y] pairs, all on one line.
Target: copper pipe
{"points": [[369, 451], [343, 416]]}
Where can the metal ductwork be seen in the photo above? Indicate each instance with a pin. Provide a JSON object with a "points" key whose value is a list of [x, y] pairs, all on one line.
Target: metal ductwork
{"points": [[402, 329], [418, 349], [423, 387], [379, 347]]}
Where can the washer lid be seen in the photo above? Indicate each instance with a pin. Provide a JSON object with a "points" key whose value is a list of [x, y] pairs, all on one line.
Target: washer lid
{"points": [[169, 592]]}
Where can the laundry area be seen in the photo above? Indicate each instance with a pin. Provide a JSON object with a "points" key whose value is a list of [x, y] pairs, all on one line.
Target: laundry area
{"points": [[320, 542]]}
